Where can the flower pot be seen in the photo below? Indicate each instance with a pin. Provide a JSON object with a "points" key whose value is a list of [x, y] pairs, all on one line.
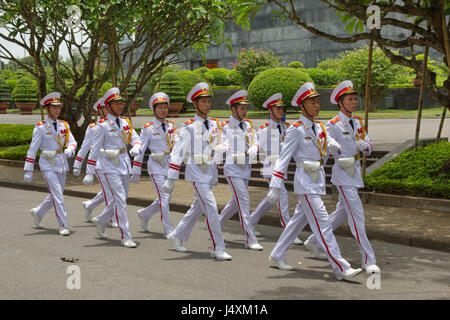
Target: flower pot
{"points": [[175, 108], [3, 107], [133, 109], [26, 107]]}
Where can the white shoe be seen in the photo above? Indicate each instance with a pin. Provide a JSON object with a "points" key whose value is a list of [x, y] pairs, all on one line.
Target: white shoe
{"points": [[371, 268], [297, 241], [177, 242], [64, 231], [317, 253], [282, 265], [100, 229], [144, 224], [128, 243], [254, 246], [37, 220], [87, 212], [220, 255], [348, 274]]}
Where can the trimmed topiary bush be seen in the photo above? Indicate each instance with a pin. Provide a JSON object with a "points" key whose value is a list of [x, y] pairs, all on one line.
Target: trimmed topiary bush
{"points": [[184, 79], [170, 84], [284, 80], [235, 78], [5, 93], [296, 65], [25, 91], [217, 76], [323, 78]]}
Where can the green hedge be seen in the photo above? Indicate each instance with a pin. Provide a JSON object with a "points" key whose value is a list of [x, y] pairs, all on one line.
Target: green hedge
{"points": [[15, 134], [414, 172], [217, 76], [284, 80], [324, 78], [15, 152]]}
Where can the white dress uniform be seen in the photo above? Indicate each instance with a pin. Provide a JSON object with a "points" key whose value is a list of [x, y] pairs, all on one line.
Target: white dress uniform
{"points": [[51, 137], [240, 137], [308, 147], [346, 176], [113, 136], [159, 137], [270, 136], [196, 142], [104, 195]]}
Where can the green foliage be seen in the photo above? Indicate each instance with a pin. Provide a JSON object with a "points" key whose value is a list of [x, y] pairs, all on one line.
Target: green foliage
{"points": [[414, 172], [11, 84], [326, 64], [179, 83], [235, 78], [5, 93], [323, 78], [25, 91], [296, 65], [284, 80], [201, 71], [252, 62], [15, 152], [15, 134], [217, 76]]}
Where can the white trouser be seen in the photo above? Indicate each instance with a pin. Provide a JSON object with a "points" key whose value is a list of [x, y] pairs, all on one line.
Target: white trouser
{"points": [[239, 203], [349, 207], [117, 186], [95, 201], [311, 207], [56, 183], [204, 202], [264, 206], [161, 204], [102, 196]]}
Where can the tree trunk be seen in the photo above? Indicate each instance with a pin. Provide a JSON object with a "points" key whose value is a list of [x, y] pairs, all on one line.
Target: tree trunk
{"points": [[422, 88]]}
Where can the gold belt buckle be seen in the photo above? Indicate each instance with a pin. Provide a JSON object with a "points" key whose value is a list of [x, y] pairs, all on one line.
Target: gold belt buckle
{"points": [[321, 162], [59, 151], [357, 156], [123, 150]]}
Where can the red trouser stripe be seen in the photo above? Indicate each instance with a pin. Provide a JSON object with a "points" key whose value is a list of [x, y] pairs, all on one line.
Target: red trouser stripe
{"points": [[206, 215], [240, 213], [159, 197], [53, 201], [353, 219], [323, 240], [115, 206]]}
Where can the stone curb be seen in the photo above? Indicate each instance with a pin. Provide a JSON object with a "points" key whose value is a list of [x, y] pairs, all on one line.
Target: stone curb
{"points": [[372, 233]]}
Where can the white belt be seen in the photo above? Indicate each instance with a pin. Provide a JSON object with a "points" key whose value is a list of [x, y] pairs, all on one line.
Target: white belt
{"points": [[50, 155], [239, 159], [311, 168], [113, 155], [159, 157], [202, 160]]}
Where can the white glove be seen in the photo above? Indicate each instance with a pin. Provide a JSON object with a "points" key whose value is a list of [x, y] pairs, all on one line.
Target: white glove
{"points": [[334, 147], [135, 178], [28, 177], [76, 171], [252, 153], [68, 153], [88, 180], [273, 195], [135, 150], [362, 145], [219, 150], [168, 186]]}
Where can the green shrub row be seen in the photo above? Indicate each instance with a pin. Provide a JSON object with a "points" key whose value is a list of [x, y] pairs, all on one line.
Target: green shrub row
{"points": [[414, 172], [15, 152], [15, 134]]}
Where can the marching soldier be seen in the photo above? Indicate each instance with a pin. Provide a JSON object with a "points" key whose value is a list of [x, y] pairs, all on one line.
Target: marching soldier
{"points": [[349, 132], [104, 194], [200, 141], [113, 136], [307, 141], [159, 137], [270, 136], [242, 151], [56, 142]]}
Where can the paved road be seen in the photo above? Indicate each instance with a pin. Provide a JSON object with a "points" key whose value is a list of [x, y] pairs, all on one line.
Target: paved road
{"points": [[31, 267], [387, 133]]}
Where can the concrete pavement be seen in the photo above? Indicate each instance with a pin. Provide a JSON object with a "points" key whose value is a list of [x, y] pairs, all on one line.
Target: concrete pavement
{"points": [[31, 265]]}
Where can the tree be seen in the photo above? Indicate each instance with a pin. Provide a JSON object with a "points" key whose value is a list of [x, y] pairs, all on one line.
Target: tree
{"points": [[422, 20], [130, 38]]}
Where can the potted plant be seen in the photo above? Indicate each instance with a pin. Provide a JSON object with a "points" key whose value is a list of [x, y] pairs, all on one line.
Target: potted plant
{"points": [[5, 96], [24, 95], [170, 84]]}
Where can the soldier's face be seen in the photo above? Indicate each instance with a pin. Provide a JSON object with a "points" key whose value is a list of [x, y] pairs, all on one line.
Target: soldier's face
{"points": [[350, 102], [240, 111], [312, 106], [116, 107], [204, 104], [161, 110], [54, 111], [276, 112]]}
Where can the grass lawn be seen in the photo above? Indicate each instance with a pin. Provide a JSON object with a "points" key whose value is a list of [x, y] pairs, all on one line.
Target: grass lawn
{"points": [[326, 114]]}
